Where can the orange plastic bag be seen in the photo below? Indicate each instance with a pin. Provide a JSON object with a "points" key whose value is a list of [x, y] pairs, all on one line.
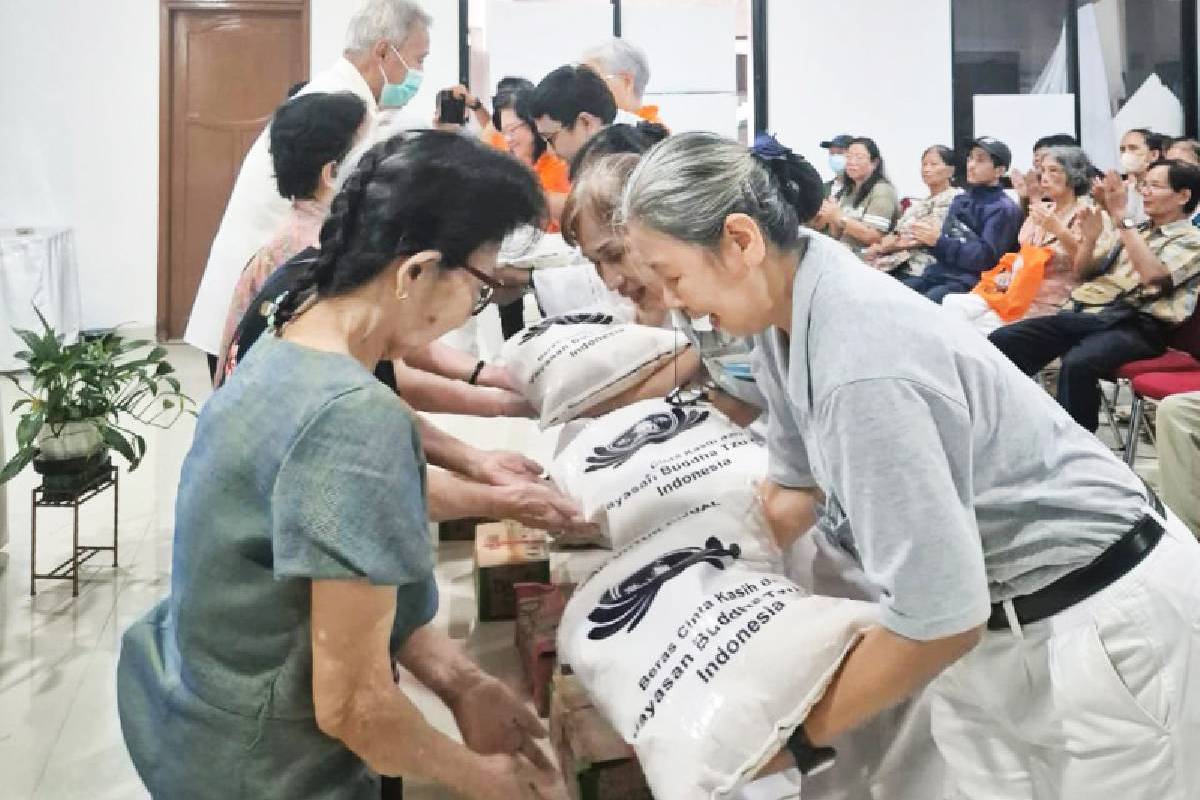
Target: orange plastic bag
{"points": [[1011, 286]]}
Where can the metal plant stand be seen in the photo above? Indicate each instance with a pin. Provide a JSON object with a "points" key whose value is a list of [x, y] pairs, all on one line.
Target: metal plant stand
{"points": [[69, 569]]}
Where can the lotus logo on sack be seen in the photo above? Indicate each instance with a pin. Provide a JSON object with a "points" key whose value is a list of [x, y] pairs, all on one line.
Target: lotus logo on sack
{"points": [[627, 603], [657, 428], [565, 319]]}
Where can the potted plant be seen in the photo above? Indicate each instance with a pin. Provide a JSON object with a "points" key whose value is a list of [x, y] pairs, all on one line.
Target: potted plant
{"points": [[81, 400]]}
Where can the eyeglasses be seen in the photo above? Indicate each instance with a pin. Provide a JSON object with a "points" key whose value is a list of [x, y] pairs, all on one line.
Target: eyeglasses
{"points": [[550, 137], [486, 291]]}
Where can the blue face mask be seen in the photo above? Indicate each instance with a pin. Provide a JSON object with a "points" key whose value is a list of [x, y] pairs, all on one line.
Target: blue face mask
{"points": [[837, 163], [396, 95]]}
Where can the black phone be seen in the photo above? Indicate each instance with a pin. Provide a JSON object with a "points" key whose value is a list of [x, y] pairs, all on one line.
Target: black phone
{"points": [[451, 109]]}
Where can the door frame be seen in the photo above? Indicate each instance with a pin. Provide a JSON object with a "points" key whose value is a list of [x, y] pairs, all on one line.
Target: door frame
{"points": [[166, 50]]}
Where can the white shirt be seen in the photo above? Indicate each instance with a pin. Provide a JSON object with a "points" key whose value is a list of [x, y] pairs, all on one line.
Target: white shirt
{"points": [[254, 213]]}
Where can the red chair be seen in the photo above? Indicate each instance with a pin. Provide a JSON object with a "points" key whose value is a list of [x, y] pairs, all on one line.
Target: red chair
{"points": [[1155, 386], [1183, 355]]}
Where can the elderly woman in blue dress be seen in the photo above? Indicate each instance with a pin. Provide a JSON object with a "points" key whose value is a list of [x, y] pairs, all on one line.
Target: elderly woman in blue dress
{"points": [[302, 560]]}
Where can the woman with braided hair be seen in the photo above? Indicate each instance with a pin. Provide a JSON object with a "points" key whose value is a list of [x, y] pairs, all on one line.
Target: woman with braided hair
{"points": [[302, 560]]}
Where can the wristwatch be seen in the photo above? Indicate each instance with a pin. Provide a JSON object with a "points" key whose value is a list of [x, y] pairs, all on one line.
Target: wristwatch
{"points": [[478, 104], [1129, 224], [809, 758], [691, 395]]}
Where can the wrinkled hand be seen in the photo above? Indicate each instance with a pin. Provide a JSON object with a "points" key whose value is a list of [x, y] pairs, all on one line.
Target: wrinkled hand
{"points": [[503, 467], [493, 720], [926, 232], [538, 505], [873, 252], [1043, 216], [1110, 192], [1091, 222], [1020, 182], [517, 777]]}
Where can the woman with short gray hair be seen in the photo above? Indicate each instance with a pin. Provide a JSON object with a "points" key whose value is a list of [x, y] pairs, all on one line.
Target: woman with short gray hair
{"points": [[1025, 571], [1058, 203]]}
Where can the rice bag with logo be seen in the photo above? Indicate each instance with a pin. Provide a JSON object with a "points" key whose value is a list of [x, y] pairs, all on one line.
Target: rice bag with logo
{"points": [[700, 654], [565, 365], [635, 468]]}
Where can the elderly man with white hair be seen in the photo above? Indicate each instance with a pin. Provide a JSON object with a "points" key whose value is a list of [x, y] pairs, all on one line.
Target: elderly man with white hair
{"points": [[386, 45], [626, 70]]}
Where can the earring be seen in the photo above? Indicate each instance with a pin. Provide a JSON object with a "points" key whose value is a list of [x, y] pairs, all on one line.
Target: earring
{"points": [[403, 296]]}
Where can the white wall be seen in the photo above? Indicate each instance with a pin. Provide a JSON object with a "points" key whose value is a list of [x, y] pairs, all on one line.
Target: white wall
{"points": [[863, 67], [79, 87], [79, 141]]}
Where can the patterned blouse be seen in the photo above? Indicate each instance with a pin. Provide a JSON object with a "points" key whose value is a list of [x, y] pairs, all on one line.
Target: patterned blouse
{"points": [[301, 230]]}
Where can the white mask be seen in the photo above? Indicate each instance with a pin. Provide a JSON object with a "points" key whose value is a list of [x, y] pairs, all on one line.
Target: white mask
{"points": [[1132, 163]]}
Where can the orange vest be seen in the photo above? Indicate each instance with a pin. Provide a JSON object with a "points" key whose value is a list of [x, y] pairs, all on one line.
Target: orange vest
{"points": [[496, 139], [650, 114]]}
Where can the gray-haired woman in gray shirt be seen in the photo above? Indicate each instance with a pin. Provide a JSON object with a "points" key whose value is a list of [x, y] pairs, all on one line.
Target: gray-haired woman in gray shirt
{"points": [[1025, 570]]}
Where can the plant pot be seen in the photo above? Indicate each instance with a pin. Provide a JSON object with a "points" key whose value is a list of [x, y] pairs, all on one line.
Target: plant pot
{"points": [[63, 479], [69, 440]]}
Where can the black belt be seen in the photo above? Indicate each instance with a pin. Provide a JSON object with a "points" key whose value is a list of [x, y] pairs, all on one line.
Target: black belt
{"points": [[1074, 587]]}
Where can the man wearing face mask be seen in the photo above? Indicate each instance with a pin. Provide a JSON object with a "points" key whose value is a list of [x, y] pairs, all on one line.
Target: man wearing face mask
{"points": [[837, 161], [386, 45]]}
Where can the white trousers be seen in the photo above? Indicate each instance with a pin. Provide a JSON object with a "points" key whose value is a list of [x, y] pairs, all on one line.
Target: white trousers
{"points": [[1099, 702]]}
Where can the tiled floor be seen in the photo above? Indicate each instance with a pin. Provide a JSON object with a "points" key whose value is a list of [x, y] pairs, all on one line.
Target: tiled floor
{"points": [[59, 734]]}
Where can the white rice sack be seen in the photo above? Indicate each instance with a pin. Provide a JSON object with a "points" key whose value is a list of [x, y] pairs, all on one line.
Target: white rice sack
{"points": [[637, 467], [567, 364], [700, 654]]}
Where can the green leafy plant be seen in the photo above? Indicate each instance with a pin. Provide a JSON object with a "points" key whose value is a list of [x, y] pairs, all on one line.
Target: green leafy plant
{"points": [[103, 380]]}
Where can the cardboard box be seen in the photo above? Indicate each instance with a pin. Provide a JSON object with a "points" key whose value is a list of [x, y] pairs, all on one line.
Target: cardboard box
{"points": [[507, 553], [460, 530], [539, 610], [596, 762]]}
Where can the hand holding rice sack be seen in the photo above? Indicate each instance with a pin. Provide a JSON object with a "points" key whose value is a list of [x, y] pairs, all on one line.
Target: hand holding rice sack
{"points": [[700, 653], [568, 364], [635, 468]]}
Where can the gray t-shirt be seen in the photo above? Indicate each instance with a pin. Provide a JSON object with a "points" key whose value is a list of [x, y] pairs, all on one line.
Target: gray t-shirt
{"points": [[962, 482]]}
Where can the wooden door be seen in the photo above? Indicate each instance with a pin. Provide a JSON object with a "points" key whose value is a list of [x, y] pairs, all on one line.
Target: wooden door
{"points": [[226, 66]]}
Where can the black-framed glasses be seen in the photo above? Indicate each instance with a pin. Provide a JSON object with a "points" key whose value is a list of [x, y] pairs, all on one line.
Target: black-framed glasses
{"points": [[486, 291]]}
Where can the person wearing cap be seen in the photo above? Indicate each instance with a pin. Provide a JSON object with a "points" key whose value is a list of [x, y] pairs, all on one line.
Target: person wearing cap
{"points": [[837, 147], [981, 227]]}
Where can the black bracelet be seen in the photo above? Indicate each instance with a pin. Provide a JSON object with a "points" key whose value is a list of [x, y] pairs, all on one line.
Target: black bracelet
{"points": [[475, 375], [809, 758]]}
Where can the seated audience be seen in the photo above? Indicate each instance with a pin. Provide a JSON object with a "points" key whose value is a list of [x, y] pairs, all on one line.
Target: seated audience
{"points": [[1140, 148], [898, 252], [1184, 150], [310, 137], [837, 161], [980, 227], [571, 105], [1136, 294], [626, 70], [1178, 440], [866, 207], [1188, 151], [1058, 204], [1025, 182]]}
